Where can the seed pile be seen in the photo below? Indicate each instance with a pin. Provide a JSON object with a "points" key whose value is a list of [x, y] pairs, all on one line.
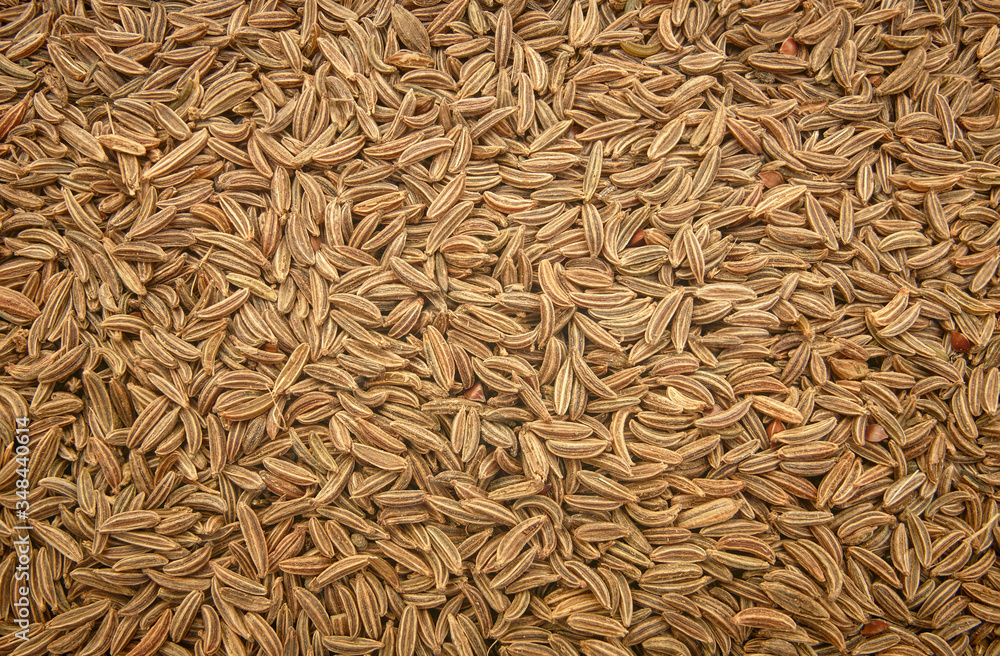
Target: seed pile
{"points": [[528, 329]]}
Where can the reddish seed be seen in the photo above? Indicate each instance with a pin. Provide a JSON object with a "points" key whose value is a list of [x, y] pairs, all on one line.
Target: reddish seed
{"points": [[638, 239], [789, 47], [773, 429], [960, 342], [874, 628], [270, 348], [315, 242], [875, 433], [475, 393], [136, 314], [771, 179]]}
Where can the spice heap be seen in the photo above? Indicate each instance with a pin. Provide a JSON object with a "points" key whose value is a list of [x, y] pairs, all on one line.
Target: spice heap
{"points": [[532, 329]]}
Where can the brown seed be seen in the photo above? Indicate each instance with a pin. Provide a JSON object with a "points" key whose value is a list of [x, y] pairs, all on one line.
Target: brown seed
{"points": [[789, 47], [875, 433], [475, 393], [775, 426], [874, 628], [771, 179], [460, 327]]}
